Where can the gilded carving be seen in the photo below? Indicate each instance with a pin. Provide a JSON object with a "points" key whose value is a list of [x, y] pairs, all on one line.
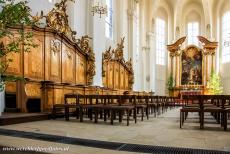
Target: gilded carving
{"points": [[84, 43], [57, 19], [113, 60], [118, 52], [90, 68], [210, 47], [173, 48], [131, 75], [55, 46], [107, 55]]}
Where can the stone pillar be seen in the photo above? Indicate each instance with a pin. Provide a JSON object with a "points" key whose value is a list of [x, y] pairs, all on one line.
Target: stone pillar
{"points": [[96, 30], [143, 70], [130, 31], [152, 61]]}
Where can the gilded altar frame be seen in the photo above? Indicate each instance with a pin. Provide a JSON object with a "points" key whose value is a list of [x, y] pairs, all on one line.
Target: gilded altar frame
{"points": [[208, 50]]}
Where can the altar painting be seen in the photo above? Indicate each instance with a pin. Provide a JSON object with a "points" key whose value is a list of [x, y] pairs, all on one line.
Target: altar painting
{"points": [[191, 66]]}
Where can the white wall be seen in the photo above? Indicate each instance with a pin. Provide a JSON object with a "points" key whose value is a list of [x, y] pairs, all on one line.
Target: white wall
{"points": [[224, 67]]}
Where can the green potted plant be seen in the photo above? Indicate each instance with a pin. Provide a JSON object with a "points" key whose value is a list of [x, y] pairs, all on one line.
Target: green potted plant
{"points": [[214, 84], [12, 14], [170, 84]]}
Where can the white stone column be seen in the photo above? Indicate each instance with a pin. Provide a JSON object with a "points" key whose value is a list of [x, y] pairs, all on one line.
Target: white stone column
{"points": [[130, 33], [143, 68], [152, 61], [96, 29]]}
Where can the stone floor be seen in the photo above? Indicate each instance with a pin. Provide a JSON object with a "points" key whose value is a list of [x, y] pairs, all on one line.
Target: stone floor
{"points": [[163, 130]]}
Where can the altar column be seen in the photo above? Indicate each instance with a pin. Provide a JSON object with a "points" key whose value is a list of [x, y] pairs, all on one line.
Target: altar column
{"points": [[174, 52], [209, 53], [177, 56]]}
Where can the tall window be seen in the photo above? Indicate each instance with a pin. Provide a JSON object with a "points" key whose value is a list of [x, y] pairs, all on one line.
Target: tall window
{"points": [[160, 41], [225, 37], [193, 32], [109, 20]]}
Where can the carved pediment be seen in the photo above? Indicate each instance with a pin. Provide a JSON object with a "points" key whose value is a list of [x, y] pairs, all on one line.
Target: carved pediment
{"points": [[173, 48], [210, 47]]}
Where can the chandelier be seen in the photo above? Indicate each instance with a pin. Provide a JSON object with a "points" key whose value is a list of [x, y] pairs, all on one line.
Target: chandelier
{"points": [[227, 42], [99, 9]]}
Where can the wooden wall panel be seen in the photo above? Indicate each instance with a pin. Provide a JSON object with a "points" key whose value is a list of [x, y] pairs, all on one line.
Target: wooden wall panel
{"points": [[122, 77], [116, 75], [80, 69], [34, 60], [110, 76], [33, 90], [68, 64], [105, 74], [11, 87], [15, 67], [53, 59], [56, 60], [126, 79]]}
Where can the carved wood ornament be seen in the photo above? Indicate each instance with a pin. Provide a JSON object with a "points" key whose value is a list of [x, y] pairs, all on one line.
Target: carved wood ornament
{"points": [[115, 56], [90, 70]]}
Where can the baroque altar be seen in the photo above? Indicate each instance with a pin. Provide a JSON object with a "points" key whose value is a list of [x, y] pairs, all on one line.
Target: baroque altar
{"points": [[191, 66]]}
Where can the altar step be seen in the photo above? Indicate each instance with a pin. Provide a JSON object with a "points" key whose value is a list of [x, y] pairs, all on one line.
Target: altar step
{"points": [[15, 118]]}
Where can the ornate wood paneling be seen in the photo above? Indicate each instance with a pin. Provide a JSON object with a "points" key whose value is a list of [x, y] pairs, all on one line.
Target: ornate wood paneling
{"points": [[34, 60], [117, 73], [80, 69], [68, 64], [33, 90], [55, 60], [58, 60], [15, 66]]}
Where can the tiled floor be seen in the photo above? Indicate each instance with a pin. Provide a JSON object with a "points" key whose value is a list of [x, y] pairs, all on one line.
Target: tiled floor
{"points": [[163, 130]]}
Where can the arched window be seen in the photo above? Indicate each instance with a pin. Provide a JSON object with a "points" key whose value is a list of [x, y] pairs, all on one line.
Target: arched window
{"points": [[226, 38], [109, 20], [193, 32], [160, 41]]}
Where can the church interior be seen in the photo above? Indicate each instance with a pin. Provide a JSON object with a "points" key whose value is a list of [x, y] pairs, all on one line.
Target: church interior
{"points": [[115, 76]]}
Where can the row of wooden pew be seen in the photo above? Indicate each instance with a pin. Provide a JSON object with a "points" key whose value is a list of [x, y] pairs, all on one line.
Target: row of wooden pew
{"points": [[217, 105], [112, 106]]}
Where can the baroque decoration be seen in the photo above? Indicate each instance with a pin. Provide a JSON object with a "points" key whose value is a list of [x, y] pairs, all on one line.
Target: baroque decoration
{"points": [[90, 70], [57, 19], [191, 69], [117, 55]]}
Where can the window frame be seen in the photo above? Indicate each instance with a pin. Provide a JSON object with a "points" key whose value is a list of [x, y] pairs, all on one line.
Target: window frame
{"points": [[225, 30], [192, 32], [109, 20], [160, 41]]}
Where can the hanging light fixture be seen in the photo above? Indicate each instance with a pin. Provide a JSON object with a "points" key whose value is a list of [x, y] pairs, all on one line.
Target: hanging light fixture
{"points": [[99, 8]]}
